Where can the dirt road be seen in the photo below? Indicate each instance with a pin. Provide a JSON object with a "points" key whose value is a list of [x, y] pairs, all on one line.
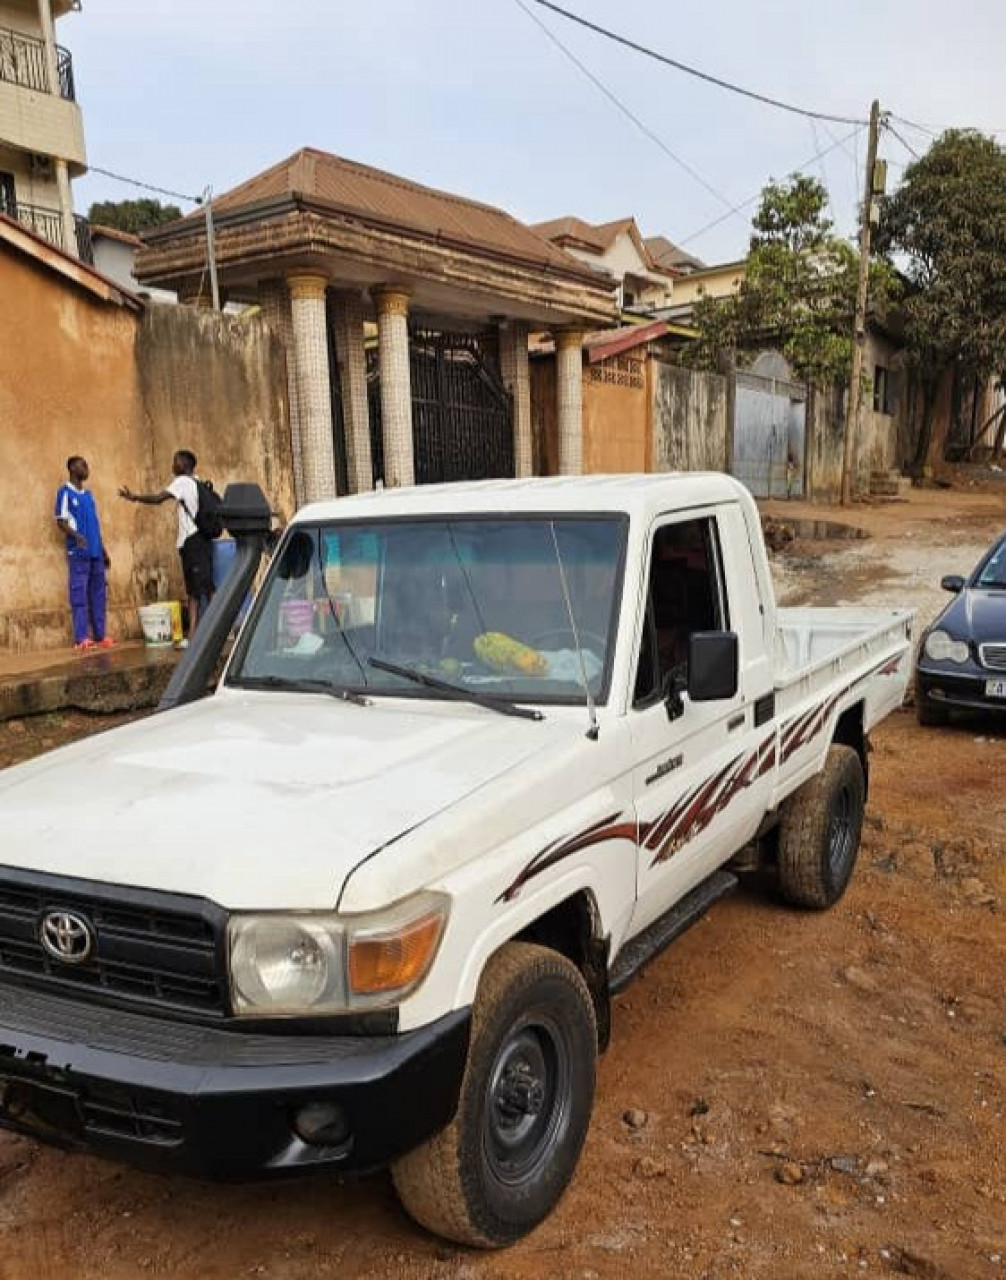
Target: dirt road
{"points": [[824, 1096]]}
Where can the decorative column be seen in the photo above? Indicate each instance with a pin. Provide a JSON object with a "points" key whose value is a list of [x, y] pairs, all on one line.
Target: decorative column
{"points": [[396, 384], [352, 357], [275, 303], [314, 396], [517, 379], [569, 399]]}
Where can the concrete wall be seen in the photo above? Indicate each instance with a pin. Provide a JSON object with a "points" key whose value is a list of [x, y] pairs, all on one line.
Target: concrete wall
{"points": [[690, 425], [80, 375], [824, 443]]}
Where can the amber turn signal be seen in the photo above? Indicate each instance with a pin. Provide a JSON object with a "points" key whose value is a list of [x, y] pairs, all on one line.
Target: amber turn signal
{"points": [[394, 961]]}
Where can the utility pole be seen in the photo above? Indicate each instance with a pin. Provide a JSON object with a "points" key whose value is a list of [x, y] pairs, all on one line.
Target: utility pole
{"points": [[211, 247], [855, 403]]}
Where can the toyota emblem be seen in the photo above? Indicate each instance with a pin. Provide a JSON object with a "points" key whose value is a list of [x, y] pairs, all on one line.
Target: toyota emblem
{"points": [[66, 936]]}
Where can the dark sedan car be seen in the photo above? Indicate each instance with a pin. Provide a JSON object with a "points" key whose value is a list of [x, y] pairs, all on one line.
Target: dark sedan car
{"points": [[962, 657]]}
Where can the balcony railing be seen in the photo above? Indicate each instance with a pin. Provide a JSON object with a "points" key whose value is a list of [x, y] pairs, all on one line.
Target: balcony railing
{"points": [[48, 223], [23, 62]]}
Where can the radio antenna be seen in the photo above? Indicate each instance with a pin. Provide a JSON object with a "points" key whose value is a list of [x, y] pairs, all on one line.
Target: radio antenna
{"points": [[594, 729]]}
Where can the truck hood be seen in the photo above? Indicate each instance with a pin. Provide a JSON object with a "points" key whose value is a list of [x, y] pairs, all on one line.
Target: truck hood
{"points": [[254, 800]]}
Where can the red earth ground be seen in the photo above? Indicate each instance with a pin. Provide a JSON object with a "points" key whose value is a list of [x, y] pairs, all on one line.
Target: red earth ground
{"points": [[824, 1095]]}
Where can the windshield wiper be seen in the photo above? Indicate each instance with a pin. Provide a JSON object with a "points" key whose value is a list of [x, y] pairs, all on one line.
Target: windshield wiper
{"points": [[306, 686], [502, 705]]}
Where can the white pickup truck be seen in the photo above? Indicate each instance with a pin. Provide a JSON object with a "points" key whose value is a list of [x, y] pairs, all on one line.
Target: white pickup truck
{"points": [[479, 753]]}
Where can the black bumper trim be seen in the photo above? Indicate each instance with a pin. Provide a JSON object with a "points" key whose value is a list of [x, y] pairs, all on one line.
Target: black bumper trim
{"points": [[965, 692], [191, 1099]]}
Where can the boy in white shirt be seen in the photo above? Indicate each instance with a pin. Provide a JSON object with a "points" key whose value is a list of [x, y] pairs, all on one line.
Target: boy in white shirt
{"points": [[195, 549]]}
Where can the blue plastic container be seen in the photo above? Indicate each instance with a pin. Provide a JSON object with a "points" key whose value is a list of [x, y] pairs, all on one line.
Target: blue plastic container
{"points": [[224, 551]]}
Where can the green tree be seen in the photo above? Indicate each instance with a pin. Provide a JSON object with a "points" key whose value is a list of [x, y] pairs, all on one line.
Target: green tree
{"points": [[132, 215], [798, 292], [946, 227]]}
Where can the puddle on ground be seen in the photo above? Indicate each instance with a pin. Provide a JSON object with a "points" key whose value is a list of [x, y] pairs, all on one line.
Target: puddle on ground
{"points": [[780, 534]]}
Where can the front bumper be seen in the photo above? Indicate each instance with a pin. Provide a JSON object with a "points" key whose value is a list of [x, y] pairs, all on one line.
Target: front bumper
{"points": [[178, 1097], [953, 689]]}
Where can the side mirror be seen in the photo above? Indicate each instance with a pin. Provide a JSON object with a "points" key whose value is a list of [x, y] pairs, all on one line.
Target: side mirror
{"points": [[952, 582], [712, 665]]}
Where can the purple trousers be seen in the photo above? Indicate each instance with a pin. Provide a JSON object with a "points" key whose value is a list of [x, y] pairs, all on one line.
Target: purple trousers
{"points": [[87, 597]]}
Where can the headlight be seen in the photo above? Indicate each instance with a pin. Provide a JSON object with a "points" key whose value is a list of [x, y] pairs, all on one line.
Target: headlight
{"points": [[296, 965], [942, 647]]}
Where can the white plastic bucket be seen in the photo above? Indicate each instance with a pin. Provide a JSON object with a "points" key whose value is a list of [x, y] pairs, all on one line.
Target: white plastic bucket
{"points": [[155, 619]]}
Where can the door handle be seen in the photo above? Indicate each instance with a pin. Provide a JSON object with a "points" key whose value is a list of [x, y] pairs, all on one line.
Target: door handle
{"points": [[736, 722]]}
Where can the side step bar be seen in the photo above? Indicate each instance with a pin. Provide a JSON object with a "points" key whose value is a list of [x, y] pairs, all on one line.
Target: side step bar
{"points": [[640, 950]]}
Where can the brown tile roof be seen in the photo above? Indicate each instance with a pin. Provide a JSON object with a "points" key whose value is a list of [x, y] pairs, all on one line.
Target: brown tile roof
{"points": [[601, 236], [373, 195], [597, 237], [667, 254], [602, 343], [113, 233]]}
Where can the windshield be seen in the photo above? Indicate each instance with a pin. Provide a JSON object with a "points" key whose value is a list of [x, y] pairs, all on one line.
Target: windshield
{"points": [[993, 572], [478, 603]]}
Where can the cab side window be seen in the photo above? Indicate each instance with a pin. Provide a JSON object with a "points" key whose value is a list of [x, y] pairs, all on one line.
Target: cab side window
{"points": [[685, 594]]}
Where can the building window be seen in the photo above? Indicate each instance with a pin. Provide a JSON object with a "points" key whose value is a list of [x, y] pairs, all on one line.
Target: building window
{"points": [[882, 399]]}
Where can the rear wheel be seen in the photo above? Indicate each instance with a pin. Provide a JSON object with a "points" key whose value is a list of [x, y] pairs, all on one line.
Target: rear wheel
{"points": [[505, 1161], [820, 830]]}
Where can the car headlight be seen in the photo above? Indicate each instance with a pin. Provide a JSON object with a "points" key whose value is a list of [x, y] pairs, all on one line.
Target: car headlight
{"points": [[287, 965], [942, 647]]}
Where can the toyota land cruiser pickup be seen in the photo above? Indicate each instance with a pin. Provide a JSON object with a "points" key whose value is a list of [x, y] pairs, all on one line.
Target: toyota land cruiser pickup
{"points": [[478, 754]]}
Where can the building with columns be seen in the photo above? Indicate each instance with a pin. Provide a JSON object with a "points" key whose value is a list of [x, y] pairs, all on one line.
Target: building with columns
{"points": [[405, 312], [41, 127]]}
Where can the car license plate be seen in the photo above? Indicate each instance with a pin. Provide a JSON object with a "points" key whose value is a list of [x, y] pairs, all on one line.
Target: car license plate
{"points": [[995, 688]]}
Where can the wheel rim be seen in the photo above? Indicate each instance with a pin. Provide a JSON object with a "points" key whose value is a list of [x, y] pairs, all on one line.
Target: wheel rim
{"points": [[842, 833], [527, 1101]]}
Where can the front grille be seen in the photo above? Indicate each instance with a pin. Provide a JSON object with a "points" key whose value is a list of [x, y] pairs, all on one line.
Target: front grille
{"points": [[150, 948], [993, 656]]}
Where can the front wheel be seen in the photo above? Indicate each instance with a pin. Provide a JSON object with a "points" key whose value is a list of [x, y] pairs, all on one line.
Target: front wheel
{"points": [[504, 1162], [928, 712], [820, 830]]}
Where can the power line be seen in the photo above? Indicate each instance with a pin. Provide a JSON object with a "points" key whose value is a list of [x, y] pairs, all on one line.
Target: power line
{"points": [[751, 199], [816, 143], [694, 71], [906, 144], [147, 186], [627, 111]]}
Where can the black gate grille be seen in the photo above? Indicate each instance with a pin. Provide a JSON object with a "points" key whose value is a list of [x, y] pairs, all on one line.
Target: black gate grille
{"points": [[149, 948], [462, 414]]}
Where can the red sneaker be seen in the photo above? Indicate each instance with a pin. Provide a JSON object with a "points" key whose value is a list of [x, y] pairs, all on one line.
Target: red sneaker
{"points": [[107, 643], [84, 646]]}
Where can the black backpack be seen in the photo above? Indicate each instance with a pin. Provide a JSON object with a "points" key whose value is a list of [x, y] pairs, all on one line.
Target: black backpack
{"points": [[209, 514]]}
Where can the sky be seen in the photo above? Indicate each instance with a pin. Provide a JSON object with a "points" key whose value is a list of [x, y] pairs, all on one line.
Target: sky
{"points": [[472, 97]]}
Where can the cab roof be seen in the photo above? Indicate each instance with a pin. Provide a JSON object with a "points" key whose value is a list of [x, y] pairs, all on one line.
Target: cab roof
{"points": [[642, 496]]}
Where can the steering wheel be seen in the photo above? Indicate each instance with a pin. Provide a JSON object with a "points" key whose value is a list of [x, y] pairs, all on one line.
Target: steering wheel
{"points": [[588, 640]]}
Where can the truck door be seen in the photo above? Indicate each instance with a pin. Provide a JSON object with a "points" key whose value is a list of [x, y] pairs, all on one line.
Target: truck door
{"points": [[696, 767]]}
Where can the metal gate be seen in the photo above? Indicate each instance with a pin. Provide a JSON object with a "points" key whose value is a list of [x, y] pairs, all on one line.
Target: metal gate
{"points": [[462, 414], [769, 436]]}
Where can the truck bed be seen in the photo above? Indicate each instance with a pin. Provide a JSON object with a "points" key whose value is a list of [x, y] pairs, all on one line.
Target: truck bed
{"points": [[824, 654]]}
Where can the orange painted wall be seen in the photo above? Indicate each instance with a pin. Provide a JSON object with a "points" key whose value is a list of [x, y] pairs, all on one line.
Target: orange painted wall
{"points": [[616, 415], [78, 375]]}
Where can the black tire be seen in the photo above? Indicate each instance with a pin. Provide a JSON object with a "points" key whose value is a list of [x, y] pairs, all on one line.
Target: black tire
{"points": [[820, 830], [501, 1166], [929, 713]]}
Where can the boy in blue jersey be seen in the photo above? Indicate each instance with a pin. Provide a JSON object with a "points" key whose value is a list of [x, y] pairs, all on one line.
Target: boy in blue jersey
{"points": [[77, 517]]}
